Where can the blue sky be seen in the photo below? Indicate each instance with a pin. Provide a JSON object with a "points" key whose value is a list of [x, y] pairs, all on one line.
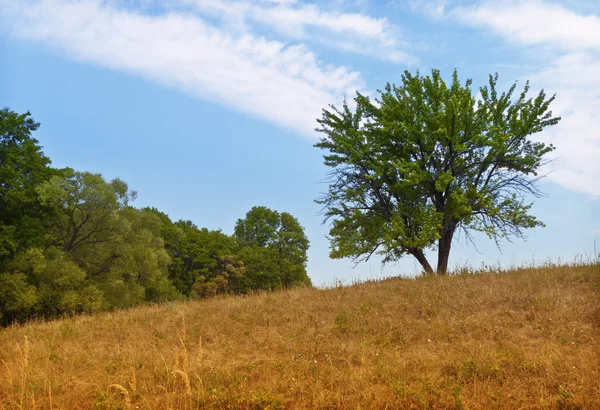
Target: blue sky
{"points": [[208, 107]]}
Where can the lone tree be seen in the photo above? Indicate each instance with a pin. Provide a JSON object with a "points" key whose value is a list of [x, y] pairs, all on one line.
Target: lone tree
{"points": [[425, 160]]}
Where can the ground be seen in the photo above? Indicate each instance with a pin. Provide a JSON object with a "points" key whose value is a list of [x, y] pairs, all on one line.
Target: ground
{"points": [[526, 338]]}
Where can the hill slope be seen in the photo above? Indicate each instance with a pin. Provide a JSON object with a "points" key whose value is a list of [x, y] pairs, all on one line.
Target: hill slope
{"points": [[525, 338]]}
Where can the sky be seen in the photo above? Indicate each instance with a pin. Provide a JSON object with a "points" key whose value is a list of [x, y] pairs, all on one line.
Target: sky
{"points": [[207, 108]]}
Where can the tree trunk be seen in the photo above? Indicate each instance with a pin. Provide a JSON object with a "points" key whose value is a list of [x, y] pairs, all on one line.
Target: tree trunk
{"points": [[420, 256], [444, 245]]}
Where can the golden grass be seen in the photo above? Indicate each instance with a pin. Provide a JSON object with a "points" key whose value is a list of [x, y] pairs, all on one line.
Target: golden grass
{"points": [[529, 338]]}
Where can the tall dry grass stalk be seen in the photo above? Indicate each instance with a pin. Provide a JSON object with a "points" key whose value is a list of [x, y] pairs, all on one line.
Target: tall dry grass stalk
{"points": [[133, 382], [23, 360], [124, 394], [186, 380], [181, 355], [528, 338]]}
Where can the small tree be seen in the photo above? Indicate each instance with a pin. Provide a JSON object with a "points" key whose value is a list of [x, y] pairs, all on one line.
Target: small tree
{"points": [[425, 160]]}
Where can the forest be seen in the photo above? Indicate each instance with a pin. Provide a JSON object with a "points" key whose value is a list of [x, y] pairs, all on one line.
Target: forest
{"points": [[71, 241]]}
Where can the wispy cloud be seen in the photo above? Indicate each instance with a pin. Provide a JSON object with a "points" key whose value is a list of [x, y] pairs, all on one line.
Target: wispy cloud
{"points": [[283, 83], [572, 44], [352, 32], [535, 22]]}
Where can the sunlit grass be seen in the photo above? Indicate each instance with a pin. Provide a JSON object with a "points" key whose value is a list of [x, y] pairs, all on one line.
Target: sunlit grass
{"points": [[527, 338]]}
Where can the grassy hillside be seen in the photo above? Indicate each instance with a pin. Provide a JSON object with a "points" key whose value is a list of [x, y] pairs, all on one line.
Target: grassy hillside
{"points": [[523, 339]]}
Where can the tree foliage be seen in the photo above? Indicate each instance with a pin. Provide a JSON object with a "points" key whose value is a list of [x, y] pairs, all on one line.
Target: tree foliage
{"points": [[195, 252], [85, 208], [425, 159], [274, 248], [228, 277], [98, 253], [23, 166]]}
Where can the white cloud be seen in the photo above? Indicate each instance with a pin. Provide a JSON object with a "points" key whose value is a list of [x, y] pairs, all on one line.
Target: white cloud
{"points": [[351, 32], [535, 23], [575, 79], [572, 48], [285, 84]]}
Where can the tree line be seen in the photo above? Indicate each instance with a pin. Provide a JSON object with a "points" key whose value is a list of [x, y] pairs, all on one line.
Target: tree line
{"points": [[70, 241]]}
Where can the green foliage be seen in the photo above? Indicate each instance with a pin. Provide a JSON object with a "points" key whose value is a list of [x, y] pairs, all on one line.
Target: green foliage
{"points": [[118, 247], [263, 267], [426, 159], [273, 248], [259, 228], [132, 267], [228, 278], [23, 167], [85, 209], [202, 251], [268, 251], [60, 284], [98, 253], [194, 252], [18, 298]]}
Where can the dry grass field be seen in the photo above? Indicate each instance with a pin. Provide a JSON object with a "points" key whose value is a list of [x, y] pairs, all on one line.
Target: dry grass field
{"points": [[524, 339]]}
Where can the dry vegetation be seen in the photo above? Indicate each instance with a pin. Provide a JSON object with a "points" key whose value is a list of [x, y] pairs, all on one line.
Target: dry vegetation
{"points": [[529, 338]]}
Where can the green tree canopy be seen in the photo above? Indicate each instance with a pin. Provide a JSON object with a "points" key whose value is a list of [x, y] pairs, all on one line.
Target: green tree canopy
{"points": [[23, 167], [426, 159], [119, 248], [195, 252], [259, 228], [274, 248], [85, 208]]}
